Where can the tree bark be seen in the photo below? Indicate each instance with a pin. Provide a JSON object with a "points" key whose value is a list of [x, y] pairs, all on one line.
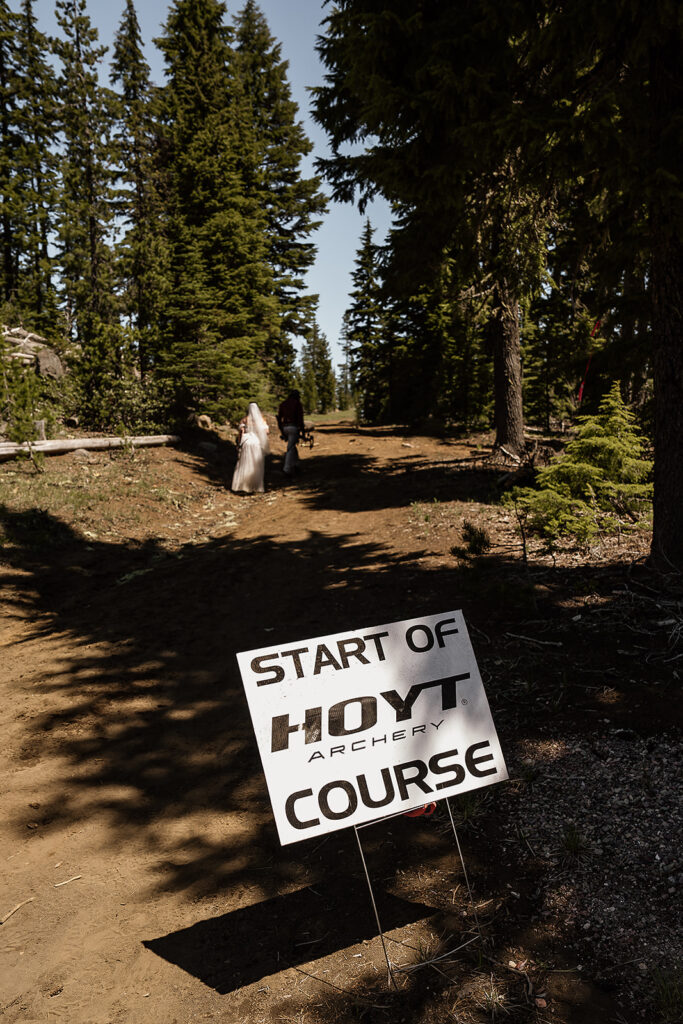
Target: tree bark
{"points": [[10, 450], [667, 303], [666, 288], [507, 373]]}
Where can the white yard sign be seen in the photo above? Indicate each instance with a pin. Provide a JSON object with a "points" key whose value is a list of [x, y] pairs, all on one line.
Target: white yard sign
{"points": [[364, 723]]}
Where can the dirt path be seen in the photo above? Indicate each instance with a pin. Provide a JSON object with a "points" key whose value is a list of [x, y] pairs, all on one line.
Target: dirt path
{"points": [[134, 809]]}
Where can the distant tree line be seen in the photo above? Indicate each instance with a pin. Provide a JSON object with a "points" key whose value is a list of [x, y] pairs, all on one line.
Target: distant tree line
{"points": [[160, 233], [532, 154]]}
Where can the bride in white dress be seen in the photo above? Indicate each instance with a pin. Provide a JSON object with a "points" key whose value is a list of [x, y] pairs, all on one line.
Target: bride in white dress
{"points": [[251, 453]]}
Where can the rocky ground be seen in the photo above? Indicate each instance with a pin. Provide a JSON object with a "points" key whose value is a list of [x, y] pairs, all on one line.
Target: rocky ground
{"points": [[137, 842]]}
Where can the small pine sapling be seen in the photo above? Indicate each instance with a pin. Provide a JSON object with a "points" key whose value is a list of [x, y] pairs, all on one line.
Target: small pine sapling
{"points": [[477, 539], [19, 397], [600, 480]]}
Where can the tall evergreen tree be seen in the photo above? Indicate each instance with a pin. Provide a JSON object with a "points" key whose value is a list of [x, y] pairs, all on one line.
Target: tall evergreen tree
{"points": [[36, 112], [142, 251], [317, 373], [86, 199], [420, 89], [307, 382], [366, 331], [221, 306], [273, 173], [8, 150], [603, 105], [346, 389], [439, 365]]}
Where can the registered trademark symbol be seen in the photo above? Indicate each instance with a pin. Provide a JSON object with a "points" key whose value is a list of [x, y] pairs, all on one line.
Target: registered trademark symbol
{"points": [[464, 701]]}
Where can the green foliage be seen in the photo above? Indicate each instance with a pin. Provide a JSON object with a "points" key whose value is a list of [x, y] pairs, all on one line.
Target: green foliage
{"points": [[415, 352], [108, 394], [427, 93], [142, 253], [669, 995], [217, 319], [316, 377], [573, 845], [365, 330], [9, 143], [343, 387], [439, 369], [600, 480], [21, 402], [306, 382], [237, 211], [21, 395], [126, 404], [477, 539], [27, 165], [271, 170], [166, 231], [85, 205]]}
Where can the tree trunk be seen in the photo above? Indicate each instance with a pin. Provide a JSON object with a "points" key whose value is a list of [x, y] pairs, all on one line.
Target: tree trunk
{"points": [[507, 373], [666, 284], [10, 450], [667, 325]]}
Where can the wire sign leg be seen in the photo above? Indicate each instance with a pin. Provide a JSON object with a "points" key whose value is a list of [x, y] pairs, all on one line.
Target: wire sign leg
{"points": [[390, 967], [390, 974]]}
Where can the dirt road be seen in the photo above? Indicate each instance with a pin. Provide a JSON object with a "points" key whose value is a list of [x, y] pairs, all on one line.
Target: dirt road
{"points": [[135, 816]]}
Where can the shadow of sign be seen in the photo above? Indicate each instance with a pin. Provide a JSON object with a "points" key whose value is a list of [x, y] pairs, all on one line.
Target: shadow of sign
{"points": [[247, 945]]}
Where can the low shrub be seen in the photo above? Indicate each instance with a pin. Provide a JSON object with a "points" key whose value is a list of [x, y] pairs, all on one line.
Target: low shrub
{"points": [[599, 485]]}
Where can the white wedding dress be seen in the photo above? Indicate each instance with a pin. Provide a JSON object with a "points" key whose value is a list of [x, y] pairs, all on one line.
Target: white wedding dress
{"points": [[251, 454]]}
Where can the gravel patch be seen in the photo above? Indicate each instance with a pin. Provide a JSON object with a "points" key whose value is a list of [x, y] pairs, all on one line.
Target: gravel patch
{"points": [[604, 817]]}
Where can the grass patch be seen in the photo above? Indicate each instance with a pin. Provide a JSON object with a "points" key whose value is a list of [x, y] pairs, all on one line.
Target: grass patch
{"points": [[477, 540], [97, 494], [669, 996], [573, 845], [332, 417]]}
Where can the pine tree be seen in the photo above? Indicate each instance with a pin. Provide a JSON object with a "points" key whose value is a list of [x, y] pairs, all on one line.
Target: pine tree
{"points": [[306, 381], [602, 106], [599, 484], [9, 140], [273, 174], [343, 389], [346, 389], [220, 308], [317, 373], [36, 117], [438, 364], [425, 92], [365, 326], [142, 254], [86, 204], [19, 400], [23, 392]]}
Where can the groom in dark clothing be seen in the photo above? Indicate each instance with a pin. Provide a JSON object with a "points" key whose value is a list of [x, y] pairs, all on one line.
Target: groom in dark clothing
{"points": [[290, 420]]}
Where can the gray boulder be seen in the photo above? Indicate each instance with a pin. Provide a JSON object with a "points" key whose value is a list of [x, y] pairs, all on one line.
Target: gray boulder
{"points": [[48, 364]]}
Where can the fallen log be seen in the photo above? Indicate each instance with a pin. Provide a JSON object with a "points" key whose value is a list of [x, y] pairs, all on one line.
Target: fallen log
{"points": [[10, 450]]}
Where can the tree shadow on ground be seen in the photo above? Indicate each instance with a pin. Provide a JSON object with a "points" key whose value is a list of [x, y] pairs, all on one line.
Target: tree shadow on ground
{"points": [[360, 483], [147, 711], [355, 430], [141, 621], [324, 477]]}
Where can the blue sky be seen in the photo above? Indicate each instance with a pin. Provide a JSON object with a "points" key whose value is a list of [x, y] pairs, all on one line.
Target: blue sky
{"points": [[295, 24]]}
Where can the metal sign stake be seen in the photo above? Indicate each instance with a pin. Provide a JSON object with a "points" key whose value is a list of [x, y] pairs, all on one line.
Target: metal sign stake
{"points": [[390, 977], [391, 968]]}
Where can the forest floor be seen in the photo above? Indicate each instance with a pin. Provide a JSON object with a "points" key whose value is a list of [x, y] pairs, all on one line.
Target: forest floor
{"points": [[135, 817]]}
